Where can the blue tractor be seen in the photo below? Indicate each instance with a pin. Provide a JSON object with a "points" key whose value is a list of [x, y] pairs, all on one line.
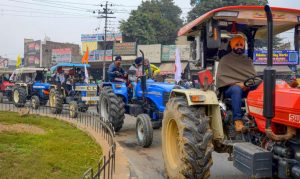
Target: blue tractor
{"points": [[76, 91], [30, 85], [115, 101]]}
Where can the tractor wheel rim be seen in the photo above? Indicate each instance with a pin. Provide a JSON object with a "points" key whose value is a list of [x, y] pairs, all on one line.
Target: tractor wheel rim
{"points": [[72, 110], [140, 130], [172, 144], [52, 99], [104, 110], [33, 101], [16, 96]]}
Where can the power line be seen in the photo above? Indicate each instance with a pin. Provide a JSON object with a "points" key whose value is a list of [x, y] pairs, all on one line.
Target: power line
{"points": [[68, 2], [38, 12], [104, 13]]}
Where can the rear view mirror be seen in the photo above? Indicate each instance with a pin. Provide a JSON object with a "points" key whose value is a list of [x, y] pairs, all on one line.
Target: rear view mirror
{"points": [[213, 34]]}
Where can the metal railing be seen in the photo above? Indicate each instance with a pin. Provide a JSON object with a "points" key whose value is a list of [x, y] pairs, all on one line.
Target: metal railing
{"points": [[105, 168]]}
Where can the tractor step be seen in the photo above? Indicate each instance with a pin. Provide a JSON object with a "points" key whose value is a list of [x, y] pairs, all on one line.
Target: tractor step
{"points": [[252, 160]]}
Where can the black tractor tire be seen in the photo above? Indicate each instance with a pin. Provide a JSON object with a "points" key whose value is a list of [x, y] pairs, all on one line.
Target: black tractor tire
{"points": [[73, 109], [1, 97], [19, 97], [55, 101], [186, 140], [35, 102], [111, 108], [144, 130]]}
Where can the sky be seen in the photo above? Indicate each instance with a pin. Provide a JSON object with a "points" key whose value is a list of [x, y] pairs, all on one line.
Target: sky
{"points": [[66, 20]]}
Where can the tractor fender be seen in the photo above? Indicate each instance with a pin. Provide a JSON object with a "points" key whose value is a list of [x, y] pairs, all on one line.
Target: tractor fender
{"points": [[209, 99], [119, 91]]}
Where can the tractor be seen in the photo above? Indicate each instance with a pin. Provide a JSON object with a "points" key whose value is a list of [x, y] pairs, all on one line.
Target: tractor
{"points": [[30, 85], [5, 85], [115, 100], [198, 121], [76, 91]]}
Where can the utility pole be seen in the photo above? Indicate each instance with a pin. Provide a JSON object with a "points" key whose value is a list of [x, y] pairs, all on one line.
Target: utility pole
{"points": [[104, 14]]}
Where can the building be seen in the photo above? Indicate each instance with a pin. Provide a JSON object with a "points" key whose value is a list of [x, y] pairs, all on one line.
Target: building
{"points": [[47, 53]]}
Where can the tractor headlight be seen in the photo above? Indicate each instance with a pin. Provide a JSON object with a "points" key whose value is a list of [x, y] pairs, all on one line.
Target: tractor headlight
{"points": [[197, 98], [118, 86], [88, 88]]}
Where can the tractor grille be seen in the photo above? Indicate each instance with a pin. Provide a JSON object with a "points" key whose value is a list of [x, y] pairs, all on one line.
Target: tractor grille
{"points": [[166, 96], [91, 93]]}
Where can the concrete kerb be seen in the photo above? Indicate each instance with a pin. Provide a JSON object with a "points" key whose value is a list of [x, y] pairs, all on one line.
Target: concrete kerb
{"points": [[122, 165]]}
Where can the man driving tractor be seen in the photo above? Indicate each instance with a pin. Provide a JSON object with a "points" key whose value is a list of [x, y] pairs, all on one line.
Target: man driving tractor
{"points": [[233, 70], [115, 70]]}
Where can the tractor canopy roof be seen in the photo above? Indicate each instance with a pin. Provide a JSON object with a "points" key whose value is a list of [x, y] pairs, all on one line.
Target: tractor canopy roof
{"points": [[72, 65], [253, 16], [29, 70]]}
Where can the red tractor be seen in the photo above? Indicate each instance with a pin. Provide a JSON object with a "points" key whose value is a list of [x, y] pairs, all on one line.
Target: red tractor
{"points": [[198, 122], [6, 86]]}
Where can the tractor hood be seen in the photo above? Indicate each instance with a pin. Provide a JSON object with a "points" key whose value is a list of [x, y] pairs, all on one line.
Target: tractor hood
{"points": [[39, 85], [164, 86]]}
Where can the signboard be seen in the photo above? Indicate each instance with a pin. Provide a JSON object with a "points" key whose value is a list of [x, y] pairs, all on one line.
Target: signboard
{"points": [[98, 55], [100, 37], [169, 52], [152, 52], [61, 55], [3, 62], [32, 53], [280, 57], [90, 45], [128, 48]]}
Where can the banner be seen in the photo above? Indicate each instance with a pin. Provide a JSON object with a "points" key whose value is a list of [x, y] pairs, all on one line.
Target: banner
{"points": [[280, 57], [90, 45], [61, 55], [32, 53], [100, 37], [98, 55], [3, 62], [169, 52], [152, 52], [128, 48]]}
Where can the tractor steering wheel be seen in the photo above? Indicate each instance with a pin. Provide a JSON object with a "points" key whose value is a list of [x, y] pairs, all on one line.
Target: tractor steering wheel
{"points": [[253, 81]]}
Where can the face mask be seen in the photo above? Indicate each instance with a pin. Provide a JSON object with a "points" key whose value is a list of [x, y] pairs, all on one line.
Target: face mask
{"points": [[239, 51]]}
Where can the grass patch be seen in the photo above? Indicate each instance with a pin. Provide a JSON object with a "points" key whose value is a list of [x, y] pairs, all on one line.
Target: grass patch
{"points": [[61, 152]]}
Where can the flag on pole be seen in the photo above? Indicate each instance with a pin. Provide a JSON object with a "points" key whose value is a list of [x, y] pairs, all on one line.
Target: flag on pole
{"points": [[86, 75], [85, 58], [178, 68], [19, 61]]}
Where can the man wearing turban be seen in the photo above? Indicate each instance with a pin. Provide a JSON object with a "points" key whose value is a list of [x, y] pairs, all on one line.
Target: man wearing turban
{"points": [[234, 68]]}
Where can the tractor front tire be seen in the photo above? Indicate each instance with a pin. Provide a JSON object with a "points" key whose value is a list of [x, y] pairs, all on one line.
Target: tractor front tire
{"points": [[35, 102], [1, 97], [73, 109], [186, 140], [144, 130], [55, 101], [19, 97], [111, 108]]}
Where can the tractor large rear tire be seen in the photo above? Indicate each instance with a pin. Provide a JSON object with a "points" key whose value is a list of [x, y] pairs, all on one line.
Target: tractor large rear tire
{"points": [[111, 108], [19, 97], [1, 97], [186, 140], [55, 101]]}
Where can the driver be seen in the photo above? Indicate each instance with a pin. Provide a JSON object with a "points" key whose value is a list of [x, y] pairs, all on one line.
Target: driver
{"points": [[115, 70], [137, 67], [234, 68]]}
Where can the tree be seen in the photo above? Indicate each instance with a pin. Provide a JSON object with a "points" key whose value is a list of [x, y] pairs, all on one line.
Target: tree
{"points": [[155, 21], [203, 6]]}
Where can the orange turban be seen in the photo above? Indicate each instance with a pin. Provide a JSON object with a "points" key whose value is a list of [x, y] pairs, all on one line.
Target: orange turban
{"points": [[237, 40]]}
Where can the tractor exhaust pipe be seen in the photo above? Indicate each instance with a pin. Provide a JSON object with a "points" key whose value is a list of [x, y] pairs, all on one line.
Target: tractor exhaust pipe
{"points": [[269, 87]]}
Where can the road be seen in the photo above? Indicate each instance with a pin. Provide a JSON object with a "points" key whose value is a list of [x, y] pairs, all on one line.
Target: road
{"points": [[147, 163]]}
